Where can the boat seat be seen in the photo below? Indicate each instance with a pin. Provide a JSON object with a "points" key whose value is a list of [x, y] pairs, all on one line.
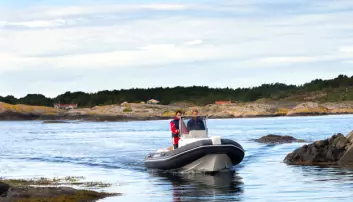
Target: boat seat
{"points": [[196, 134]]}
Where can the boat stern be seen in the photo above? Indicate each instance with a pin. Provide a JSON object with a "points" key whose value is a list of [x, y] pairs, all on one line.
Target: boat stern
{"points": [[209, 163]]}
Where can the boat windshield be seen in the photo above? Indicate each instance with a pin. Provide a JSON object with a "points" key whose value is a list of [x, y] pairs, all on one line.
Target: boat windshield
{"points": [[188, 130]]}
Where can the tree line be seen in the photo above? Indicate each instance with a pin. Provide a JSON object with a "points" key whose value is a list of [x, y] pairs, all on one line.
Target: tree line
{"points": [[194, 94]]}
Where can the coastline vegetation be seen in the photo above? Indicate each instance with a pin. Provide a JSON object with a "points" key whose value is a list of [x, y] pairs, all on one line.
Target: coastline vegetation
{"points": [[318, 90]]}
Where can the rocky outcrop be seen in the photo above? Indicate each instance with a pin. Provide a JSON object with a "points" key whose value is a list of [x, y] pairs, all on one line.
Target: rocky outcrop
{"points": [[49, 190], [347, 158], [3, 189], [27, 112], [308, 108], [52, 194], [323, 152], [339, 108], [241, 110], [277, 139]]}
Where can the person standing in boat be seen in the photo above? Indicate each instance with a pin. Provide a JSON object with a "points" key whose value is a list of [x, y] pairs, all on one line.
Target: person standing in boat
{"points": [[174, 127], [196, 123]]}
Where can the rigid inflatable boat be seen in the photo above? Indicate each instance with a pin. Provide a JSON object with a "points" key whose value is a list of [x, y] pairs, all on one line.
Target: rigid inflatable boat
{"points": [[197, 153]]}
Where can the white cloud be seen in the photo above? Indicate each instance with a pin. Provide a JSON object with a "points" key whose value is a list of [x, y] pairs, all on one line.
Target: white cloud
{"points": [[347, 49], [11, 62], [193, 42], [272, 60], [165, 6], [100, 46], [303, 59], [147, 56], [123, 37], [50, 12], [38, 23]]}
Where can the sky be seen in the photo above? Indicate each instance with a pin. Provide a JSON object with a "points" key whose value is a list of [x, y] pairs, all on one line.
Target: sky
{"points": [[50, 47]]}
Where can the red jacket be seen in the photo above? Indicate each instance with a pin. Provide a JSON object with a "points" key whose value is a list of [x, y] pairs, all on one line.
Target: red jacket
{"points": [[173, 127], [175, 130]]}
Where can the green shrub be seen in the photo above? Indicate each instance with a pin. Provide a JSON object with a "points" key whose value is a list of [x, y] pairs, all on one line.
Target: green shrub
{"points": [[127, 109]]}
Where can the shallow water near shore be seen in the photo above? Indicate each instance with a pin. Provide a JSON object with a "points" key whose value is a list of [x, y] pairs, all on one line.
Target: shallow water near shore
{"points": [[113, 152]]}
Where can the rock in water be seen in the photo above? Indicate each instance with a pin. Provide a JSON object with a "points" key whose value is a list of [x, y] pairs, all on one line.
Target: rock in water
{"points": [[46, 193], [322, 152], [23, 190], [55, 121], [3, 189], [273, 139]]}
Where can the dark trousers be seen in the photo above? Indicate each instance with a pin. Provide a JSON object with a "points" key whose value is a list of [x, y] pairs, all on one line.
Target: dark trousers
{"points": [[175, 146]]}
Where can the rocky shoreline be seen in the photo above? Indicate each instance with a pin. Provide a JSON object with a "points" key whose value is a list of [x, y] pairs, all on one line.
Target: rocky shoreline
{"points": [[50, 190], [142, 112], [89, 118]]}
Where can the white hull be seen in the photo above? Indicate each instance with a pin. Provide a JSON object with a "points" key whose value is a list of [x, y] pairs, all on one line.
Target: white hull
{"points": [[209, 163]]}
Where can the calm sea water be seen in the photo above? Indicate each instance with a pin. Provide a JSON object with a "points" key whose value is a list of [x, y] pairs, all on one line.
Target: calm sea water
{"points": [[114, 153]]}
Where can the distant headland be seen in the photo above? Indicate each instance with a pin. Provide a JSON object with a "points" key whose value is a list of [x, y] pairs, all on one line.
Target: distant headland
{"points": [[318, 97]]}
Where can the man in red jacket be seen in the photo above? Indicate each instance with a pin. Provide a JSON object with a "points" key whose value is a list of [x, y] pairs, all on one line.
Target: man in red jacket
{"points": [[174, 127]]}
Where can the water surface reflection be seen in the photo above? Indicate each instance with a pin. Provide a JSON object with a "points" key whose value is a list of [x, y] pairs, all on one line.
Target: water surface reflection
{"points": [[226, 186]]}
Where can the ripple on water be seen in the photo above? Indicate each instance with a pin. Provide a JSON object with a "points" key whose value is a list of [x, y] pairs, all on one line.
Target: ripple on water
{"points": [[114, 153], [226, 186]]}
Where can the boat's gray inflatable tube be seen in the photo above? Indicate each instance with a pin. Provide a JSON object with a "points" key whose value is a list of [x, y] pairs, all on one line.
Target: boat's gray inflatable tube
{"points": [[191, 152]]}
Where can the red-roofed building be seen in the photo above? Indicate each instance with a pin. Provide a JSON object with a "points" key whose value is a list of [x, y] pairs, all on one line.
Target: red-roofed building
{"points": [[65, 106], [223, 102]]}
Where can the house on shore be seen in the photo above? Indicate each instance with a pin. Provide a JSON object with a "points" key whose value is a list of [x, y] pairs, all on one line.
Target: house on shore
{"points": [[65, 106], [221, 102], [124, 103]]}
